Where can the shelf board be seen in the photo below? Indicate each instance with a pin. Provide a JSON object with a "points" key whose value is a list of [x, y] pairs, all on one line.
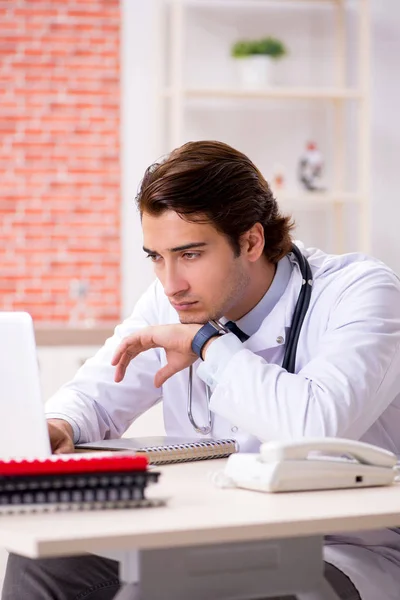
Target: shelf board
{"points": [[295, 93], [252, 3], [315, 200]]}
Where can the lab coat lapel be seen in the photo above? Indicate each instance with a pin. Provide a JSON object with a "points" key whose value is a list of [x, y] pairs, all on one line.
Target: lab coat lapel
{"points": [[276, 325]]}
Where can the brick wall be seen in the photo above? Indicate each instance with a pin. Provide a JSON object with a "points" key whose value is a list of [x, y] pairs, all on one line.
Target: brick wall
{"points": [[59, 159]]}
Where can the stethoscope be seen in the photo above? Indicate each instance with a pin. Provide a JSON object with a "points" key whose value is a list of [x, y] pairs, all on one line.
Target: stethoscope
{"points": [[289, 359]]}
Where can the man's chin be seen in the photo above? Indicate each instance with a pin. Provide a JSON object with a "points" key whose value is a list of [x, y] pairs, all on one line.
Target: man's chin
{"points": [[189, 317], [198, 318], [190, 320]]}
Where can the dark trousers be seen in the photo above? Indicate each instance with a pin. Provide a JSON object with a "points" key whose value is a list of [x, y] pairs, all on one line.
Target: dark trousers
{"points": [[90, 577]]}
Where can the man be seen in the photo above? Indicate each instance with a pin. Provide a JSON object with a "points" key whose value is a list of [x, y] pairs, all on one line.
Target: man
{"points": [[222, 250]]}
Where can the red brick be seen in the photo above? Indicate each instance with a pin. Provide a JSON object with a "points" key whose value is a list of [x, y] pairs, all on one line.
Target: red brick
{"points": [[9, 26], [52, 230]]}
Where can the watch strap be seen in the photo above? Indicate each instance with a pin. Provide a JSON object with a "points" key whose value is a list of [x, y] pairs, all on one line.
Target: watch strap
{"points": [[204, 334]]}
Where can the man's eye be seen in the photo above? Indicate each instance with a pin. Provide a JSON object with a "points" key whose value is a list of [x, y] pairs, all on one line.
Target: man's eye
{"points": [[191, 255], [153, 257]]}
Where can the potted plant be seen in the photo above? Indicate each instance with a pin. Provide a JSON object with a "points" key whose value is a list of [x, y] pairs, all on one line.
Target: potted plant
{"points": [[255, 59]]}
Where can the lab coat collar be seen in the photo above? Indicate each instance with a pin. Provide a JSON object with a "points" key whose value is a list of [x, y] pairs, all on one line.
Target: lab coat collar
{"points": [[251, 322], [276, 325]]}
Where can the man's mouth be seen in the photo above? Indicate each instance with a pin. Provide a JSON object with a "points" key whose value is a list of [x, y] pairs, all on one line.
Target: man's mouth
{"points": [[183, 305]]}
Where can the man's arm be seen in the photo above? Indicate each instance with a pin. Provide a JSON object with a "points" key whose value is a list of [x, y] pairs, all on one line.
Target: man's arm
{"points": [[92, 403], [350, 380], [341, 392]]}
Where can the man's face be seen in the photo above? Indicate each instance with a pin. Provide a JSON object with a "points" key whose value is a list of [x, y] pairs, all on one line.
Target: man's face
{"points": [[196, 266]]}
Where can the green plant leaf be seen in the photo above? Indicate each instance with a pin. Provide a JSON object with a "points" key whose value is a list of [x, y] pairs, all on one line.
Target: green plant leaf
{"points": [[267, 46]]}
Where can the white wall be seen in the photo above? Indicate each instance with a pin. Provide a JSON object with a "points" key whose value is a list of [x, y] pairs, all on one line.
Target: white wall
{"points": [[385, 126], [137, 139]]}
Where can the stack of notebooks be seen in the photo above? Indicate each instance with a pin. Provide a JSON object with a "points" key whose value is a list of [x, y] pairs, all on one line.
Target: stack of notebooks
{"points": [[75, 482], [167, 449]]}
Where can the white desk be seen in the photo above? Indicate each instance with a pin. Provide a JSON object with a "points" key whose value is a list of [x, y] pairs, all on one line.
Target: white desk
{"points": [[269, 536]]}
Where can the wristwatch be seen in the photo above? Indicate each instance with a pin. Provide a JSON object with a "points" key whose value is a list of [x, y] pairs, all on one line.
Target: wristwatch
{"points": [[208, 331]]}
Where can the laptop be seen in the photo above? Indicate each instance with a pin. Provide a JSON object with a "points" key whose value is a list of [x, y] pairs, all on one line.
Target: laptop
{"points": [[23, 425]]}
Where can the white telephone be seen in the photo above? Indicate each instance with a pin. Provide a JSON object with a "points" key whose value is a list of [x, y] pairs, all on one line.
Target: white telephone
{"points": [[289, 466]]}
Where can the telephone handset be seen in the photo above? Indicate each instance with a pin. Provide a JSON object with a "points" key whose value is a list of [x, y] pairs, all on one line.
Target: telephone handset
{"points": [[310, 464], [366, 454]]}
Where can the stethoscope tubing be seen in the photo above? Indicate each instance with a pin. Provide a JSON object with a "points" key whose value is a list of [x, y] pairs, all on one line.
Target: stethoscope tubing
{"points": [[302, 304]]}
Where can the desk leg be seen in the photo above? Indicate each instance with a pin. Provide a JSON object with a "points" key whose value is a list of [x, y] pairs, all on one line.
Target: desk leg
{"points": [[231, 571]]}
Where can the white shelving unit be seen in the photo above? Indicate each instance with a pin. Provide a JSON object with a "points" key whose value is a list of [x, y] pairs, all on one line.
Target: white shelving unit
{"points": [[176, 96], [268, 93]]}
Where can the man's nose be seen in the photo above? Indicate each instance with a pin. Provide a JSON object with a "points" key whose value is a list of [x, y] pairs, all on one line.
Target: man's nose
{"points": [[174, 284]]}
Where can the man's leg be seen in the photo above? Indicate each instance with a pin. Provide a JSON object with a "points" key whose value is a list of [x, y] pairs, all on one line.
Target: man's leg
{"points": [[86, 577], [91, 577], [342, 585], [338, 581]]}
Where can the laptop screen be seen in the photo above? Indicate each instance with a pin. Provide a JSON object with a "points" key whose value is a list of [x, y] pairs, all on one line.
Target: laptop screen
{"points": [[22, 420]]}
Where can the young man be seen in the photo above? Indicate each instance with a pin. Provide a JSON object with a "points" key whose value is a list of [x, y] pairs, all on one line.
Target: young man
{"points": [[222, 251]]}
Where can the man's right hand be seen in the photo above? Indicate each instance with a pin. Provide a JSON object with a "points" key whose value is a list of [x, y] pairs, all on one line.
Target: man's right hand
{"points": [[61, 436]]}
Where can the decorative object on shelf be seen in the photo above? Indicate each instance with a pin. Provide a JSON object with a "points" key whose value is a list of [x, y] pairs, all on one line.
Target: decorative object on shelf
{"points": [[310, 168], [255, 58], [278, 179]]}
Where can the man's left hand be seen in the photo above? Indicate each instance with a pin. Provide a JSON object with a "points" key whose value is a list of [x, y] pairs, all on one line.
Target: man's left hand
{"points": [[176, 341]]}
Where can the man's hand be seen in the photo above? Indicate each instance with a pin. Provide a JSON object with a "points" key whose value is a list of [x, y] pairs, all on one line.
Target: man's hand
{"points": [[61, 436], [175, 339]]}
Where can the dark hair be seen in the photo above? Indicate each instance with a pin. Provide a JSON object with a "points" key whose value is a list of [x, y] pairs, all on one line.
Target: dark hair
{"points": [[209, 181]]}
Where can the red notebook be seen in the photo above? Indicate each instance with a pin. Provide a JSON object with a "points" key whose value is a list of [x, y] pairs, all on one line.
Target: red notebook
{"points": [[61, 464], [75, 482]]}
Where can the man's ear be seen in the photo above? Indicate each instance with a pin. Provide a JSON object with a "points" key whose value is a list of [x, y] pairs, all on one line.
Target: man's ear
{"points": [[252, 242]]}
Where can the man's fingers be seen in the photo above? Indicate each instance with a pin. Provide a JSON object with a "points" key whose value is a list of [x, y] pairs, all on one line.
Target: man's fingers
{"points": [[163, 374], [133, 345], [122, 366], [120, 351], [65, 449], [129, 349], [119, 374]]}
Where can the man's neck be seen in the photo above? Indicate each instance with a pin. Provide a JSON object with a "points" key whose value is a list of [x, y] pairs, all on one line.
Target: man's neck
{"points": [[261, 278]]}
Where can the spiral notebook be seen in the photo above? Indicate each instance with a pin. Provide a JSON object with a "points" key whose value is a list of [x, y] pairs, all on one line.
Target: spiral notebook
{"points": [[164, 450], [75, 482]]}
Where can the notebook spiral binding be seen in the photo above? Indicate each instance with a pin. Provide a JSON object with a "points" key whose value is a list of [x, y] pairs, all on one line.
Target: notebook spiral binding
{"points": [[80, 506], [195, 451]]}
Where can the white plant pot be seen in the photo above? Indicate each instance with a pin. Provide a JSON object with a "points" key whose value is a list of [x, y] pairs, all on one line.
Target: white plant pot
{"points": [[255, 71]]}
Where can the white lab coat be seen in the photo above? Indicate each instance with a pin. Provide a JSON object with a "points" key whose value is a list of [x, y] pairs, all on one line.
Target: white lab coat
{"points": [[347, 384]]}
